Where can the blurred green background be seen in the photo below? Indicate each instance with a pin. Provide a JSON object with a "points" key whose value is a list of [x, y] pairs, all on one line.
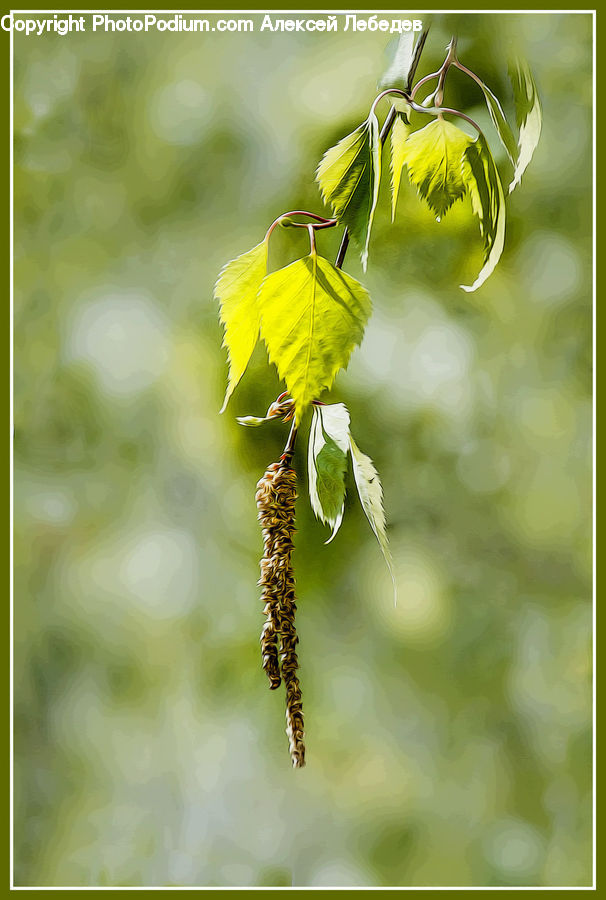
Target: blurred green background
{"points": [[448, 738]]}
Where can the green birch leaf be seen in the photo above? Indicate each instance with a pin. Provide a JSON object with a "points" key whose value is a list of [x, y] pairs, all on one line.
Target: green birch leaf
{"points": [[434, 157], [529, 117], [399, 134], [348, 176], [312, 316], [402, 61], [487, 202], [371, 498], [327, 461], [236, 290], [331, 463], [500, 123]]}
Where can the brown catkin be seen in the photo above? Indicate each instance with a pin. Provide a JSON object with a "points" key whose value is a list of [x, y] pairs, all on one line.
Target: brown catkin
{"points": [[276, 496], [270, 595]]}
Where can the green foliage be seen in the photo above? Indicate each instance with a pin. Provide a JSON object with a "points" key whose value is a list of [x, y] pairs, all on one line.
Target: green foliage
{"points": [[500, 123], [488, 203], [399, 134], [330, 441], [434, 158], [529, 117], [370, 492], [312, 316], [135, 533], [327, 462], [310, 313], [349, 175], [236, 290], [397, 73]]}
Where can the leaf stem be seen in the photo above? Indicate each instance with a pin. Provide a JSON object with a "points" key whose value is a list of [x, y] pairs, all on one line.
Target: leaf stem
{"points": [[289, 447], [315, 225], [312, 239], [322, 221], [462, 68], [450, 58], [441, 73], [439, 110]]}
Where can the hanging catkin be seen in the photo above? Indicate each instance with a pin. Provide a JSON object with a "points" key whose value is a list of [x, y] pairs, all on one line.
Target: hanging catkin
{"points": [[276, 496]]}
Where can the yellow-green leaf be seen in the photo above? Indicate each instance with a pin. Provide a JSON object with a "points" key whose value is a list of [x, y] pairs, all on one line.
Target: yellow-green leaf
{"points": [[236, 290], [371, 497], [488, 203], [349, 175], [399, 134], [312, 316], [434, 157], [529, 117]]}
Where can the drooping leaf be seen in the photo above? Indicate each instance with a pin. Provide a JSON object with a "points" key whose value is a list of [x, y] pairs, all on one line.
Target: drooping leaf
{"points": [[335, 423], [529, 117], [327, 462], [331, 463], [434, 157], [488, 203], [349, 175], [399, 134], [500, 123], [236, 290], [371, 498], [312, 316], [403, 61]]}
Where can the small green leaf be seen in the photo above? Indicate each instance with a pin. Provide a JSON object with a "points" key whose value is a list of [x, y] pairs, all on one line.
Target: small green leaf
{"points": [[488, 203], [371, 498], [331, 463], [236, 290], [327, 461], [399, 134], [500, 123], [434, 156], [529, 117], [348, 176], [312, 316], [403, 57]]}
